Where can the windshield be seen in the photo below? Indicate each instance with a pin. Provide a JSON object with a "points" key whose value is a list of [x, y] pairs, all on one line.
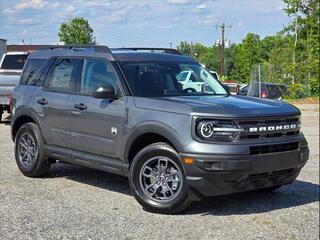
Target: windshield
{"points": [[159, 79], [14, 61]]}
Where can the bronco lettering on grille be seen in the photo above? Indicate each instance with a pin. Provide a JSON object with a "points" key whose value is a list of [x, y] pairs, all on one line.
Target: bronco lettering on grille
{"points": [[273, 128]]}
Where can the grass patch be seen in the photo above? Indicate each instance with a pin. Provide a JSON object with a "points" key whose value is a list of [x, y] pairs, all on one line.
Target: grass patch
{"points": [[310, 100]]}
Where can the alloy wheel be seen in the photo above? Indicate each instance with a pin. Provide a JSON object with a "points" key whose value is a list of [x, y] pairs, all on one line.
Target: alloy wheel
{"points": [[161, 179]]}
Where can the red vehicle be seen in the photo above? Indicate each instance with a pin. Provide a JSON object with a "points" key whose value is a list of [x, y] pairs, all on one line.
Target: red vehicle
{"points": [[234, 88]]}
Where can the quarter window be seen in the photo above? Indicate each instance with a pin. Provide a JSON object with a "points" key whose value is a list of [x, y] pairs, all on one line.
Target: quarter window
{"points": [[30, 69], [38, 78]]}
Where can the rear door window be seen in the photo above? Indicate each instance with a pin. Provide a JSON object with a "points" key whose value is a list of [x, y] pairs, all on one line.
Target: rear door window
{"points": [[32, 66], [14, 61], [64, 75]]}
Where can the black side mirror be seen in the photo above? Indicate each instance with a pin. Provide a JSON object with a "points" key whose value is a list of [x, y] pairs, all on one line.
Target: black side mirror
{"points": [[105, 92]]}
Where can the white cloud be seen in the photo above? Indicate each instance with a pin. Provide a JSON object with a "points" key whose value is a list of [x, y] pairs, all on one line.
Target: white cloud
{"points": [[27, 21], [33, 4], [70, 8], [201, 6], [117, 14], [240, 24], [8, 11], [209, 20], [280, 7], [54, 4], [180, 1]]}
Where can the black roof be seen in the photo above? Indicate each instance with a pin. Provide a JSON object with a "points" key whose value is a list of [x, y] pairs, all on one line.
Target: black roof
{"points": [[130, 55]]}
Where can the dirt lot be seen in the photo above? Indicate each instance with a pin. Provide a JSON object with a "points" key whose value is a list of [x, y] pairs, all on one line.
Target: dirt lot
{"points": [[78, 203]]}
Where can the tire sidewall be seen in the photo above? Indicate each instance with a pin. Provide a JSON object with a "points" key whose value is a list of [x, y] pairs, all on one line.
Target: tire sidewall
{"points": [[155, 150], [32, 129]]}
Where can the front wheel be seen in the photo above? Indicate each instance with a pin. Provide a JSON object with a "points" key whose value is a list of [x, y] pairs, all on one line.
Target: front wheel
{"points": [[157, 179]]}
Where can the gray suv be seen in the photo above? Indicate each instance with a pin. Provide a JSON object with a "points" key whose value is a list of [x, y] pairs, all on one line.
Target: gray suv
{"points": [[124, 111]]}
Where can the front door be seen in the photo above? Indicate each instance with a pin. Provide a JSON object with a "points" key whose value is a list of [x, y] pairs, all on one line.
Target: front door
{"points": [[97, 124]]}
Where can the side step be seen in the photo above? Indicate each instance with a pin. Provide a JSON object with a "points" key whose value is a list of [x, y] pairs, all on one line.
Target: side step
{"points": [[90, 160]]}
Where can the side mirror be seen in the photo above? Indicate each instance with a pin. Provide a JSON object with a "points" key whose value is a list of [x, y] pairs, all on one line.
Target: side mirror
{"points": [[105, 92]]}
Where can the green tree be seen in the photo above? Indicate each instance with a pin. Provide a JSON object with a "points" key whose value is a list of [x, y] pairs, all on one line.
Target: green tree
{"points": [[305, 29], [247, 54], [209, 56], [76, 31], [185, 48]]}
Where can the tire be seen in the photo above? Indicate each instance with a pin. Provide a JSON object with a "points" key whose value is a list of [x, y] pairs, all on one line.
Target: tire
{"points": [[268, 189], [168, 183], [33, 161]]}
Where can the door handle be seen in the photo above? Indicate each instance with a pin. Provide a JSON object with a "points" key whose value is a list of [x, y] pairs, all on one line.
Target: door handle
{"points": [[42, 101], [80, 106]]}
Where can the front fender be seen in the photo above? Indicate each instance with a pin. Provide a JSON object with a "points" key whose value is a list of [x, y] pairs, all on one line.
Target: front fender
{"points": [[151, 127]]}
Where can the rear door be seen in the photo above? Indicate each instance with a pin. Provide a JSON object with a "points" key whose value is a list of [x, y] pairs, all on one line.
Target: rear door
{"points": [[97, 124], [55, 100]]}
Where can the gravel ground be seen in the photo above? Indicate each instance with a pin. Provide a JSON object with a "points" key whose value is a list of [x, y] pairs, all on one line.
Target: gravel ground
{"points": [[79, 203]]}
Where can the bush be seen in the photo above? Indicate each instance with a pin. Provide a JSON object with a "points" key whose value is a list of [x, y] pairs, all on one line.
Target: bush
{"points": [[314, 87], [295, 91]]}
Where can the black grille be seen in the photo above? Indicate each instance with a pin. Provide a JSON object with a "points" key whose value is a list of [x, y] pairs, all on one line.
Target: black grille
{"points": [[264, 149], [247, 124]]}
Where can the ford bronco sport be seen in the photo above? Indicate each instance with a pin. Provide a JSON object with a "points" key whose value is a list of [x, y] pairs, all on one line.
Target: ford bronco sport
{"points": [[124, 111]]}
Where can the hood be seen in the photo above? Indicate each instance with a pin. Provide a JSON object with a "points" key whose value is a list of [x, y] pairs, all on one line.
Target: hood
{"points": [[220, 106]]}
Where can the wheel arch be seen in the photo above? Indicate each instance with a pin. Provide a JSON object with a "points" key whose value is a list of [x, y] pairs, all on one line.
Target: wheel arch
{"points": [[147, 134], [21, 117]]}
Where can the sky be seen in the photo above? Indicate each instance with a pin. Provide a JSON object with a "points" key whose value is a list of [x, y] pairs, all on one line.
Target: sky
{"points": [[142, 23]]}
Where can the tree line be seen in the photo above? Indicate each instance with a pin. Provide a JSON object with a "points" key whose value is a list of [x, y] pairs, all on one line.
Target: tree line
{"points": [[289, 57]]}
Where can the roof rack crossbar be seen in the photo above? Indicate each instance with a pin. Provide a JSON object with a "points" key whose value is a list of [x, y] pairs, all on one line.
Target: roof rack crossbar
{"points": [[98, 48], [165, 50]]}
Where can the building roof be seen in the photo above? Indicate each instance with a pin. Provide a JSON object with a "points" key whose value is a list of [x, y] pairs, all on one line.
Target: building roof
{"points": [[25, 48]]}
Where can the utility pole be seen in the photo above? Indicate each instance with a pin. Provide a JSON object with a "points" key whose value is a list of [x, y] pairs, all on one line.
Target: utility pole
{"points": [[191, 50], [294, 49], [171, 45], [222, 26]]}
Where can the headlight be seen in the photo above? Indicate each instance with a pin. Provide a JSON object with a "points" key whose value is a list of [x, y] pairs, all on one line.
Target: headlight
{"points": [[217, 130]]}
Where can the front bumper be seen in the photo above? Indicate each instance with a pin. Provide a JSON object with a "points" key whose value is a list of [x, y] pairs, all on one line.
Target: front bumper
{"points": [[213, 175]]}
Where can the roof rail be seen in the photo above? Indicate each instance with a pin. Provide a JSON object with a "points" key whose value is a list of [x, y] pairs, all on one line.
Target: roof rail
{"points": [[97, 48], [165, 50]]}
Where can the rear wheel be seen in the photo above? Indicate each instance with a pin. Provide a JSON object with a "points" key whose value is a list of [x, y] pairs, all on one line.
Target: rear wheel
{"points": [[29, 152], [157, 179]]}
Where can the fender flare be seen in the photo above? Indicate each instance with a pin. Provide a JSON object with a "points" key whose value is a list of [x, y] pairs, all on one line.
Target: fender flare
{"points": [[150, 127], [24, 112]]}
